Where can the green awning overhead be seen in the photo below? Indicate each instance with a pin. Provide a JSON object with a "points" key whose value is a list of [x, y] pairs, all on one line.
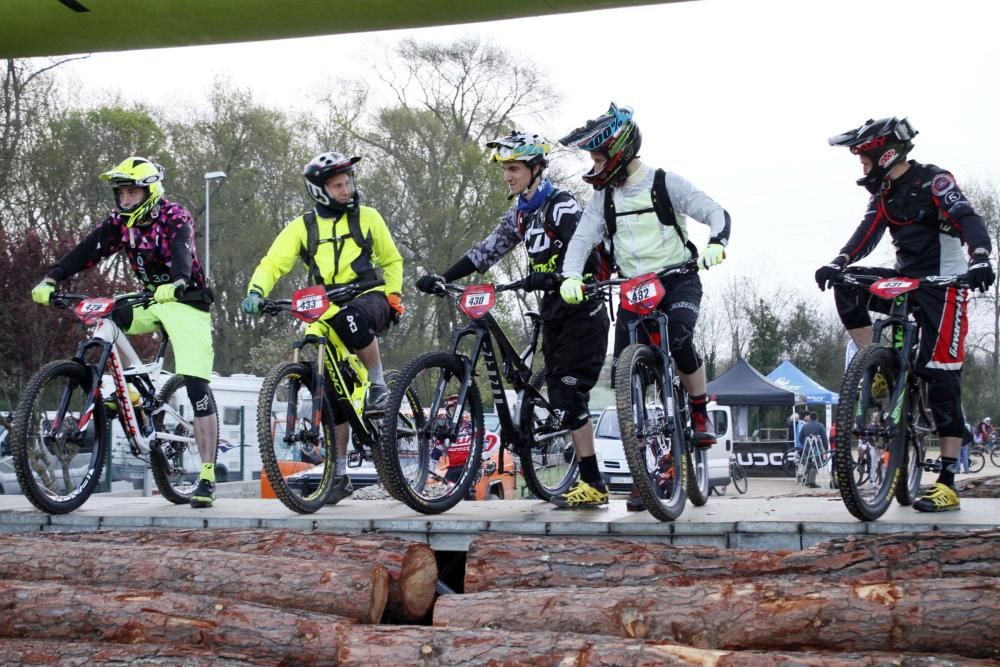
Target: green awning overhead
{"points": [[55, 27]]}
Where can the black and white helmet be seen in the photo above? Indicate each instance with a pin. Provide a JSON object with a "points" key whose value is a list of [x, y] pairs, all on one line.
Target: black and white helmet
{"points": [[318, 172], [886, 142]]}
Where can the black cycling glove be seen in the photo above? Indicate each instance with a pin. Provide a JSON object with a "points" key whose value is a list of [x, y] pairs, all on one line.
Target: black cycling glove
{"points": [[430, 283], [828, 272], [981, 274], [541, 280]]}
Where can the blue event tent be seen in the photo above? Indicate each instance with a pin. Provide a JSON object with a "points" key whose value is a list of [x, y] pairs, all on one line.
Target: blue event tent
{"points": [[788, 376]]}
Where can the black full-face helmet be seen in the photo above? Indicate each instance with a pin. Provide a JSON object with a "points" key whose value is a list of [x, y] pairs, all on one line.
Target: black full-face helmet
{"points": [[320, 169], [886, 142]]}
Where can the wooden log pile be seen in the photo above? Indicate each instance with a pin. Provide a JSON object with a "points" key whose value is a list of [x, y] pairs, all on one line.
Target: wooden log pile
{"points": [[279, 597]]}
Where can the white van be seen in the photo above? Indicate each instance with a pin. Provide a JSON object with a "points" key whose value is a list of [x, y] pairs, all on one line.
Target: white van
{"points": [[611, 455]]}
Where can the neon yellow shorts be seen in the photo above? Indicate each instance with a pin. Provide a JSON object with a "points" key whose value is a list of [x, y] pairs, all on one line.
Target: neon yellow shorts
{"points": [[190, 332]]}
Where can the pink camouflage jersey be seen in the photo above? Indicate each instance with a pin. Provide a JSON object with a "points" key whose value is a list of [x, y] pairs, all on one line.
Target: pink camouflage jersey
{"points": [[159, 252]]}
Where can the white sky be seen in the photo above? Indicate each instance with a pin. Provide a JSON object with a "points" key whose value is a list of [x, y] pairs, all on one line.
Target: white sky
{"points": [[737, 96]]}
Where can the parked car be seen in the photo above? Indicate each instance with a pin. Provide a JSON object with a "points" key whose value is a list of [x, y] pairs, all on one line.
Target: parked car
{"points": [[613, 465]]}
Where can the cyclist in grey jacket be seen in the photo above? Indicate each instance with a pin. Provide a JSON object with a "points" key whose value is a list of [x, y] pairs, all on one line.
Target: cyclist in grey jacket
{"points": [[644, 242]]}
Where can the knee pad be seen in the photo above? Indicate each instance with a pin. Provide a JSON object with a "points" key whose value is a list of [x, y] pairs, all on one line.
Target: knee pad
{"points": [[945, 402], [354, 328], [682, 347], [572, 402], [200, 396]]}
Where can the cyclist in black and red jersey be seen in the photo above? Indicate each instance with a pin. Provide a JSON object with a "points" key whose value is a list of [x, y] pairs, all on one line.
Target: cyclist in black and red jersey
{"points": [[929, 220]]}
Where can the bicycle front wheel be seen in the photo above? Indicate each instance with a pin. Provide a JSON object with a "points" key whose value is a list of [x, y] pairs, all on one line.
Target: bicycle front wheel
{"points": [[790, 461], [429, 466], [59, 444], [865, 431], [299, 461], [650, 433], [977, 460], [739, 475], [995, 457], [548, 459], [175, 464]]}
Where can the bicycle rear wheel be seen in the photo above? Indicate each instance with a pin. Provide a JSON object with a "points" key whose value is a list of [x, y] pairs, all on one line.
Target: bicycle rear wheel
{"points": [[427, 466], [59, 444], [299, 465], [175, 464], [864, 415], [651, 438], [548, 460], [977, 460], [739, 475], [697, 457], [995, 457]]}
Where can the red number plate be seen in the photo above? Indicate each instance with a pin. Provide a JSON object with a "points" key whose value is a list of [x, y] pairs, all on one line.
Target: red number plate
{"points": [[477, 300], [642, 294], [91, 310], [890, 288], [310, 303]]}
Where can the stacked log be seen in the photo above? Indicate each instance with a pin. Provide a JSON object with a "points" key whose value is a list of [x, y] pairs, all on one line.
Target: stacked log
{"points": [[259, 597], [907, 593], [411, 566]]}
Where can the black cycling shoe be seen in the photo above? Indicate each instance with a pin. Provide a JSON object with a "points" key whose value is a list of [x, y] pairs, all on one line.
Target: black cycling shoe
{"points": [[377, 399], [342, 488], [204, 494]]}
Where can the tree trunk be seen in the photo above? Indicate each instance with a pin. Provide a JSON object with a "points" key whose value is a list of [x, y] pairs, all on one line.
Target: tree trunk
{"points": [[379, 645], [343, 587], [56, 612], [501, 561], [955, 615], [412, 567], [374, 646], [91, 654], [982, 486]]}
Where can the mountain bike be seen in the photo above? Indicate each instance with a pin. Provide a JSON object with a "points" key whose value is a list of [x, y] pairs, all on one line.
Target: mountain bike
{"points": [[883, 420], [653, 404], [300, 398], [529, 428], [62, 433]]}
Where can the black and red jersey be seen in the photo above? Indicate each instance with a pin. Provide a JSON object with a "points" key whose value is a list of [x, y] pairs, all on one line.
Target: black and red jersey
{"points": [[928, 218]]}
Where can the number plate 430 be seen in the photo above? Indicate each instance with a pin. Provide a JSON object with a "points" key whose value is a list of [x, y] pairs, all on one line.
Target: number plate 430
{"points": [[477, 300]]}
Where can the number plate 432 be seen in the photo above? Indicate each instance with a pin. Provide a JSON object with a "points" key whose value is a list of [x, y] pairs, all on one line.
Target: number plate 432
{"points": [[642, 294]]}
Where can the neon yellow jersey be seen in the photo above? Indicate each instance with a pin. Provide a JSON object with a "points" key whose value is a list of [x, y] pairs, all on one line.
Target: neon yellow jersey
{"points": [[338, 256]]}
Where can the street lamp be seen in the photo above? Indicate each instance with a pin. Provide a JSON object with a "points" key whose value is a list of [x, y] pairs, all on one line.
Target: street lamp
{"points": [[209, 177]]}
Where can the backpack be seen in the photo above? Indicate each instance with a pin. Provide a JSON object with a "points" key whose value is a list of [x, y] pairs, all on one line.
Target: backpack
{"points": [[662, 206], [308, 253]]}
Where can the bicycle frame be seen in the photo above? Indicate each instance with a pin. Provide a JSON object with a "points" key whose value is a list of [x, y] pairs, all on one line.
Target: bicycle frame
{"points": [[333, 360], [117, 356], [486, 332]]}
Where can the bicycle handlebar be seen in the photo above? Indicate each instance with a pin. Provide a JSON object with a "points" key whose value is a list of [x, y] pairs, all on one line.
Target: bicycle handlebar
{"points": [[455, 288], [68, 299], [864, 280], [338, 294], [688, 266]]}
